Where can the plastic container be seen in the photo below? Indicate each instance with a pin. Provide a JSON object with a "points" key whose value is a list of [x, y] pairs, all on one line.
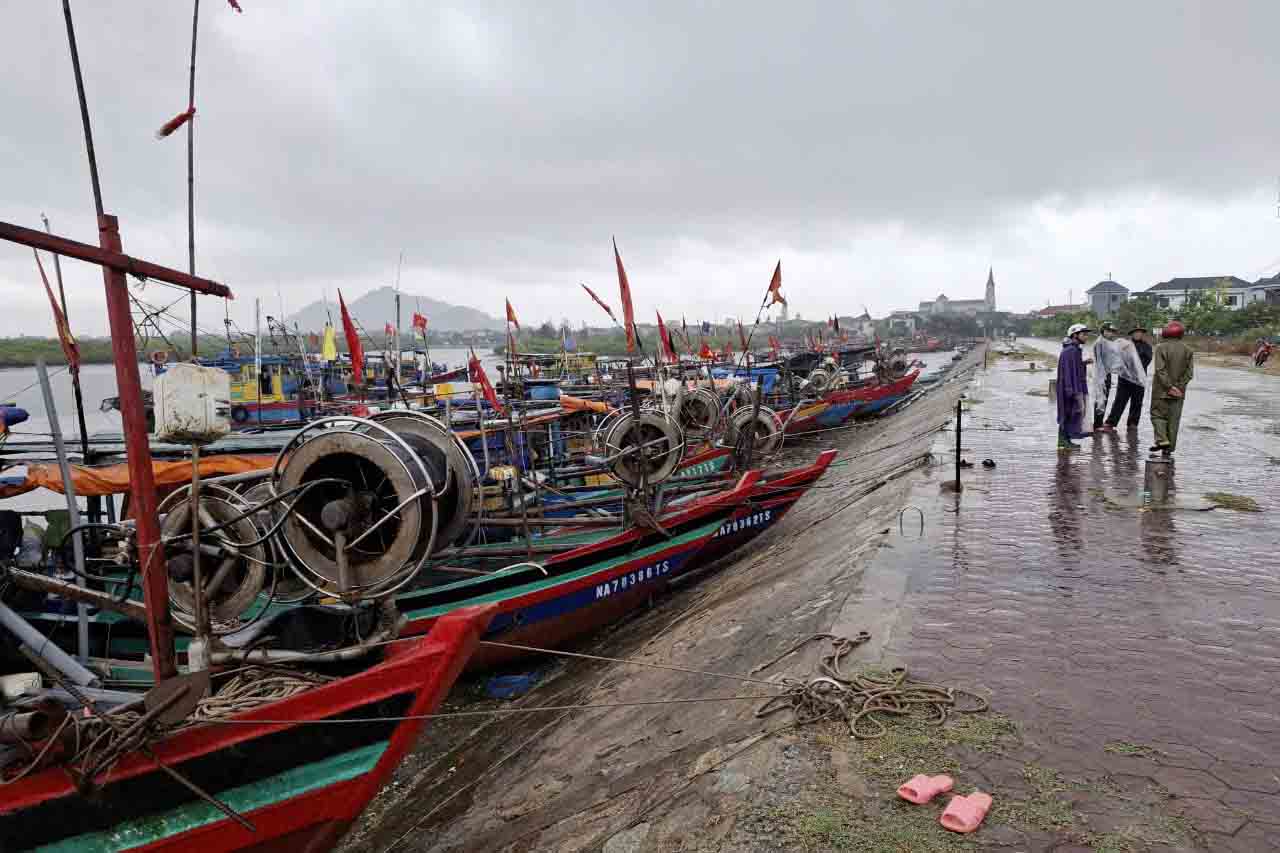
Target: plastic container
{"points": [[192, 403]]}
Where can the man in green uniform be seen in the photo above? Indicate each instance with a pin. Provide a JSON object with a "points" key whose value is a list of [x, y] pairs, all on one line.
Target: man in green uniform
{"points": [[1169, 387]]}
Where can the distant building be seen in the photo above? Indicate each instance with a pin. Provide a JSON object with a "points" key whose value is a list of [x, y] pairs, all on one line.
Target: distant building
{"points": [[1176, 292], [945, 305], [1107, 296], [903, 322], [1265, 290]]}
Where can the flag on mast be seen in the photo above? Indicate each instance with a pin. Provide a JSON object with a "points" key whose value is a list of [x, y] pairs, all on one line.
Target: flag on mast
{"points": [[775, 286], [478, 376], [668, 351], [511, 315], [600, 302], [70, 349], [742, 337], [628, 313], [353, 342]]}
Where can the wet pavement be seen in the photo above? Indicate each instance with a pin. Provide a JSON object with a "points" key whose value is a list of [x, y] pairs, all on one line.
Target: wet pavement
{"points": [[1139, 643], [1135, 650]]}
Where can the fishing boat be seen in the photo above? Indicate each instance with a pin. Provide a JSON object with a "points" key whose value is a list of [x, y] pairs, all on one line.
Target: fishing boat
{"points": [[295, 772]]}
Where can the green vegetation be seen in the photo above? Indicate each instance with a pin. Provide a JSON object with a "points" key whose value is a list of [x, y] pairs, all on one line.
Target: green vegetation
{"points": [[1211, 325], [1239, 503]]}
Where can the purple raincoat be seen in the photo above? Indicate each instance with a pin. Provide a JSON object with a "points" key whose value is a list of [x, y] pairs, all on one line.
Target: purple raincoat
{"points": [[1072, 388]]}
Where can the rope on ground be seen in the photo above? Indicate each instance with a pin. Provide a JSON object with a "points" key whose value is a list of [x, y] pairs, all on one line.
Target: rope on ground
{"points": [[858, 698]]}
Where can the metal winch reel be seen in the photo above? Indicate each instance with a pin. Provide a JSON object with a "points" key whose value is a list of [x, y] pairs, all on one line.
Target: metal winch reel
{"points": [[649, 452], [766, 425], [699, 413], [818, 380], [452, 467], [233, 562], [288, 587], [365, 507]]}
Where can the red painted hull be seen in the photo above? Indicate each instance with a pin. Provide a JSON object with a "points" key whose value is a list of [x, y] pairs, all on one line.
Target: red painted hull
{"points": [[755, 504], [414, 677]]}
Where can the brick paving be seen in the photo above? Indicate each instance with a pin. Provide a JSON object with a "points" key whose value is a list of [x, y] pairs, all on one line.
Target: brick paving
{"points": [[1096, 624]]}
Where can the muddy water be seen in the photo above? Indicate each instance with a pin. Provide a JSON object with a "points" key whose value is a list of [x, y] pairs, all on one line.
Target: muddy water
{"points": [[1096, 623]]}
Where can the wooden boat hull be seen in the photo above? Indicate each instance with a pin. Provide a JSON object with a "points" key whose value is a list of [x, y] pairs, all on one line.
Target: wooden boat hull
{"points": [[551, 611], [300, 784]]}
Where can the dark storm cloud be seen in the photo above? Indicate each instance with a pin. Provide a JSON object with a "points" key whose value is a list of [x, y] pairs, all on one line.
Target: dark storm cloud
{"points": [[506, 142]]}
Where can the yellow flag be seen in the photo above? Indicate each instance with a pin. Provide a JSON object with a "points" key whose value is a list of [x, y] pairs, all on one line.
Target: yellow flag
{"points": [[329, 351]]}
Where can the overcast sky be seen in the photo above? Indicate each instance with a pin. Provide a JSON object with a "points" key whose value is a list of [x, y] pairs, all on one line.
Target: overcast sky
{"points": [[884, 151]]}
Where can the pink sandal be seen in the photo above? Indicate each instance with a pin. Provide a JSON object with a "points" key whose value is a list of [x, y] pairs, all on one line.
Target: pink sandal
{"points": [[965, 814], [921, 789]]}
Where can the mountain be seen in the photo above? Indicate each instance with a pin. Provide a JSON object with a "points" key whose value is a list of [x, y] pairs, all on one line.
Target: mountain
{"points": [[378, 307]]}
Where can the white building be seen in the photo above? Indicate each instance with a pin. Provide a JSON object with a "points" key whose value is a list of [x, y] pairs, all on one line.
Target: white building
{"points": [[945, 305], [1176, 292]]}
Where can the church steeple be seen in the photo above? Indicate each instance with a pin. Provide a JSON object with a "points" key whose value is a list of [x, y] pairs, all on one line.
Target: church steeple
{"points": [[991, 289]]}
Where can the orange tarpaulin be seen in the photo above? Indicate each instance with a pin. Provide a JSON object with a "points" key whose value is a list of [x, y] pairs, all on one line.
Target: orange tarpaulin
{"points": [[577, 404], [114, 479]]}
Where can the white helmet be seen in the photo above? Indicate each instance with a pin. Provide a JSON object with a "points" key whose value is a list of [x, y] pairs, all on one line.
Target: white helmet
{"points": [[1076, 329]]}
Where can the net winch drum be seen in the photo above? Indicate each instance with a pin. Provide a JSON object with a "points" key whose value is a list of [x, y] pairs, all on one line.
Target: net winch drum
{"points": [[289, 588], [653, 449], [818, 380], [452, 467], [354, 479], [699, 413], [234, 561], [768, 429]]}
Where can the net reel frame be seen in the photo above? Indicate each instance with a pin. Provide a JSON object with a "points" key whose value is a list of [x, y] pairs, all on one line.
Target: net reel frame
{"points": [[400, 563], [768, 426], [616, 441], [225, 613]]}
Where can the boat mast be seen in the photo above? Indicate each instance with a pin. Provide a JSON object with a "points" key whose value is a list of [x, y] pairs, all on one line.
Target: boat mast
{"points": [[191, 174]]}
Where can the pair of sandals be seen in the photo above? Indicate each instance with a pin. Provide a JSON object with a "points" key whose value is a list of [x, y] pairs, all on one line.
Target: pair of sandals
{"points": [[963, 814]]}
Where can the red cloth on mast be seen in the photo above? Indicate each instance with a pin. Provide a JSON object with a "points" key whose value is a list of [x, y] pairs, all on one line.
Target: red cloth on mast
{"points": [[742, 337], [600, 302], [70, 349], [706, 352], [628, 313], [668, 351], [419, 321], [775, 286], [511, 315], [478, 375], [176, 122], [353, 342]]}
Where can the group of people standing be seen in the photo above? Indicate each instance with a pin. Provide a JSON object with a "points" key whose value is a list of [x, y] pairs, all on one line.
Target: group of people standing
{"points": [[1124, 360]]}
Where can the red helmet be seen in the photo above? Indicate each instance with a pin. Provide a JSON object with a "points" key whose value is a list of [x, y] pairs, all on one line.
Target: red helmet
{"points": [[1173, 330]]}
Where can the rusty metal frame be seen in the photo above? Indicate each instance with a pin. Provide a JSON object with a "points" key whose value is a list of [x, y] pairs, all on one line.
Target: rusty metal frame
{"points": [[115, 264]]}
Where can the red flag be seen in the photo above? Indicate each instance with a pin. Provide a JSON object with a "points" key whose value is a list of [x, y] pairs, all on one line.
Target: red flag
{"points": [[176, 122], [511, 315], [774, 345], [742, 337], [600, 302], [668, 351], [420, 322], [727, 352], [628, 313], [389, 329], [353, 342], [706, 352], [478, 375], [70, 349], [235, 4], [775, 286]]}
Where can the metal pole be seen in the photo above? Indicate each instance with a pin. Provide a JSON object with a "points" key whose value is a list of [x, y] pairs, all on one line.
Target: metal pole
{"points": [[141, 475], [191, 176], [73, 509], [197, 577], [84, 111], [95, 508], [958, 425]]}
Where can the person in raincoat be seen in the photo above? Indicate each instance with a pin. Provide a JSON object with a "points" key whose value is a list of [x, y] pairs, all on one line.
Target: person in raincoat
{"points": [[1072, 387], [1106, 364], [1131, 378], [1173, 370]]}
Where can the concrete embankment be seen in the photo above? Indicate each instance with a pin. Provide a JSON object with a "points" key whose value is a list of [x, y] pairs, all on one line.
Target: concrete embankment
{"points": [[671, 775]]}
